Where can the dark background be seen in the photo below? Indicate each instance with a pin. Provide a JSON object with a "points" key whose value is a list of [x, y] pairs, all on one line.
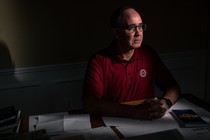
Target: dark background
{"points": [[51, 32]]}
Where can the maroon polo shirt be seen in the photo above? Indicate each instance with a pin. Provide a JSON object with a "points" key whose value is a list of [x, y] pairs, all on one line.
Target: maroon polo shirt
{"points": [[111, 78]]}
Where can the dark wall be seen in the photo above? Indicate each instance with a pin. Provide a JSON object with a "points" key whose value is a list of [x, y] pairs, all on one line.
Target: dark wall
{"points": [[63, 31]]}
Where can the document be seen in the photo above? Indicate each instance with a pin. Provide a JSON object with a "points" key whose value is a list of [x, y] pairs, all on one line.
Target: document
{"points": [[188, 118], [77, 122], [52, 124], [58, 123], [200, 133], [34, 119], [134, 127]]}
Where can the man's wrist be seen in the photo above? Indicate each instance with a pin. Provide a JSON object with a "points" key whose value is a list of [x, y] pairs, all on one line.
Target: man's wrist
{"points": [[168, 101]]}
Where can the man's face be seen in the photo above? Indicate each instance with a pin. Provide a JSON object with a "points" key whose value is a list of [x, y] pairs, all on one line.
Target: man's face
{"points": [[131, 35]]}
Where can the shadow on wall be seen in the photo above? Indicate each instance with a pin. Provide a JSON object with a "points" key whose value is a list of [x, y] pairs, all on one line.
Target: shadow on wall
{"points": [[7, 67], [5, 57], [7, 74]]}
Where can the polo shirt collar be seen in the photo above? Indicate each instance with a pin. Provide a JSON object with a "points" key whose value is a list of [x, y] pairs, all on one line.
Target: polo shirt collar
{"points": [[119, 58]]}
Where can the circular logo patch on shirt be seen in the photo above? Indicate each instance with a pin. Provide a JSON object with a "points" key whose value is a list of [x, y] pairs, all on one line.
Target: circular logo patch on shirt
{"points": [[143, 73]]}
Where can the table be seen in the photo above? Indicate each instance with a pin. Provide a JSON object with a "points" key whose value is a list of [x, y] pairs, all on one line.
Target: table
{"points": [[96, 120]]}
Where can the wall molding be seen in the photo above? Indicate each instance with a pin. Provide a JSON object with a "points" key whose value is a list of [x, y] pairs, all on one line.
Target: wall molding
{"points": [[59, 87]]}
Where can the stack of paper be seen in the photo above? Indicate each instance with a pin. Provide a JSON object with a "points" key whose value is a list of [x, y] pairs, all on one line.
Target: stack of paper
{"points": [[64, 126], [9, 120]]}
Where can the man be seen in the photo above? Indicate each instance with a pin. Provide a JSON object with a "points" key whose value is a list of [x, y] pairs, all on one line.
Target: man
{"points": [[128, 71]]}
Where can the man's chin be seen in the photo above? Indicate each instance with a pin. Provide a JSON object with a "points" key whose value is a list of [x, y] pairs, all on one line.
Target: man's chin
{"points": [[136, 46]]}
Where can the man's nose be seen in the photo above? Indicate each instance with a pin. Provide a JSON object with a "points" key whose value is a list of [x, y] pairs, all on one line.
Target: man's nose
{"points": [[137, 31]]}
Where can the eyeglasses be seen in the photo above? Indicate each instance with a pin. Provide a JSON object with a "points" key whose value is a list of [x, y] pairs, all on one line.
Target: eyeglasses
{"points": [[132, 28]]}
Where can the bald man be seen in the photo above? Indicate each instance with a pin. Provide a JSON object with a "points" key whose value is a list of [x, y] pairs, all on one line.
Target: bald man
{"points": [[128, 71]]}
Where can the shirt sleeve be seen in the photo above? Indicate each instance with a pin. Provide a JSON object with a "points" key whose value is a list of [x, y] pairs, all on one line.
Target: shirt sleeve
{"points": [[94, 83]]}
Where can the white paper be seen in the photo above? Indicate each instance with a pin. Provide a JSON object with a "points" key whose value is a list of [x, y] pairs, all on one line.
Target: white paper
{"points": [[123, 122], [55, 124], [130, 127], [201, 133], [49, 118], [77, 122], [100, 133], [33, 119]]}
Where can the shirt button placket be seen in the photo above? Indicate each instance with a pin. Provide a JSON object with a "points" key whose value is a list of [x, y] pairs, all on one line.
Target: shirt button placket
{"points": [[128, 75]]}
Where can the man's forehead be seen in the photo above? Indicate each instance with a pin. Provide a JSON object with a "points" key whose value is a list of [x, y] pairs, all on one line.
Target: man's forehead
{"points": [[131, 16]]}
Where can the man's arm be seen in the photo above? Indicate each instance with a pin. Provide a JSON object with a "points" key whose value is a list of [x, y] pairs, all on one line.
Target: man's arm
{"points": [[106, 108], [172, 94], [148, 110]]}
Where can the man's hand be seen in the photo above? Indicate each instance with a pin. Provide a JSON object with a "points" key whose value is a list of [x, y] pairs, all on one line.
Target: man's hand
{"points": [[164, 104], [150, 109]]}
